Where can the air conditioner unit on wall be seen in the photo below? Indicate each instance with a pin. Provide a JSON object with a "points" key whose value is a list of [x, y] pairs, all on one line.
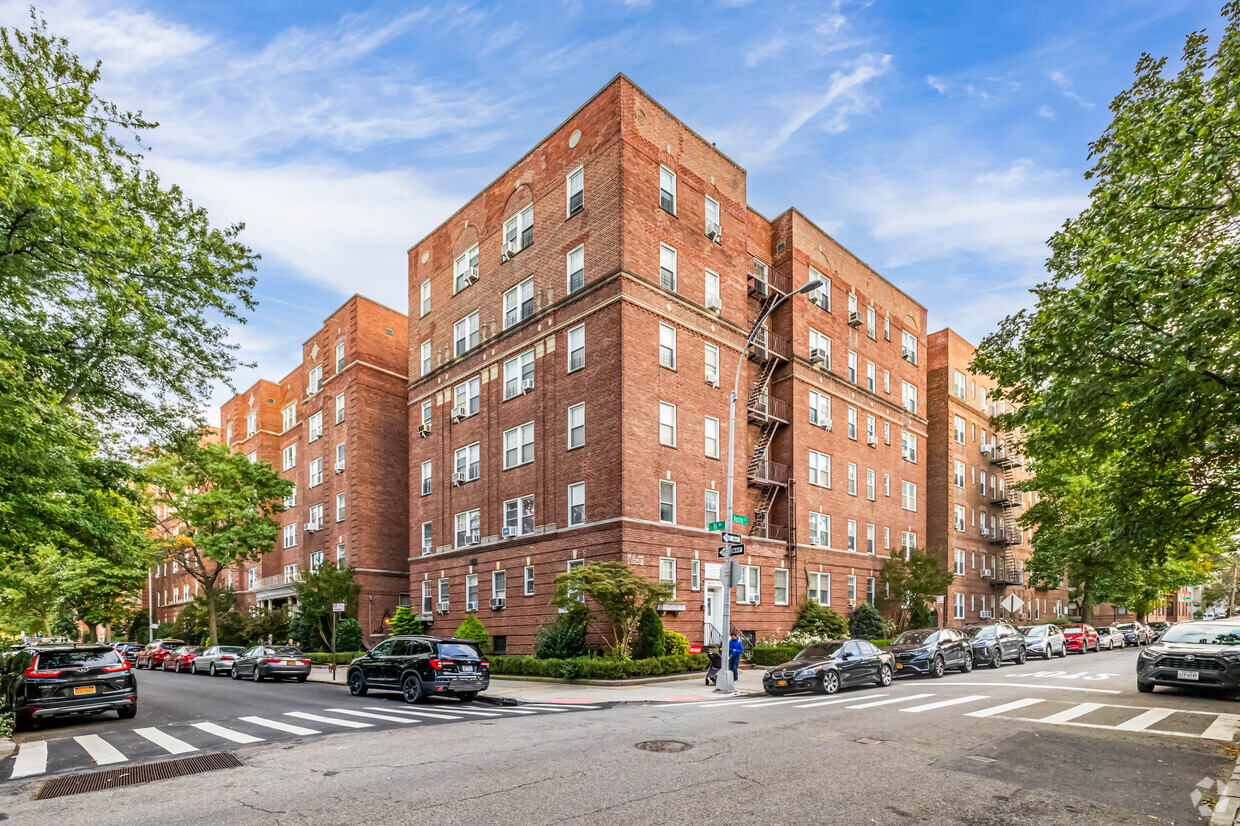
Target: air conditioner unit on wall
{"points": [[311, 527], [985, 531], [424, 430], [872, 441], [817, 356], [906, 354], [472, 539], [458, 414], [497, 603], [855, 319], [511, 248], [985, 614], [713, 303], [340, 467], [471, 277], [458, 478], [986, 573], [442, 607], [712, 380], [713, 232], [527, 385]]}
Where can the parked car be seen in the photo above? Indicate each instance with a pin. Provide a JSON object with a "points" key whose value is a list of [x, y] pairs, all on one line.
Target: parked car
{"points": [[182, 658], [419, 666], [274, 661], [218, 659], [1081, 637], [1045, 640], [1203, 654], [40, 681], [992, 644], [1110, 637], [152, 656], [931, 651], [1157, 629], [1134, 633], [826, 667], [129, 650]]}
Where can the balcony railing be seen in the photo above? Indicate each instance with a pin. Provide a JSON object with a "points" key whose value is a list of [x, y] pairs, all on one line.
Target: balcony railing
{"points": [[766, 531], [768, 345], [765, 407], [766, 472], [277, 580]]}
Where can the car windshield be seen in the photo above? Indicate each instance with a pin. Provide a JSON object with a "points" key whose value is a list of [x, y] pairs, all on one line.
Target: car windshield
{"points": [[819, 651], [198, 649], [286, 651], [78, 659], [1127, 626], [1072, 629], [917, 637], [457, 651], [170, 645], [978, 632], [231, 649], [1212, 633], [1034, 631]]}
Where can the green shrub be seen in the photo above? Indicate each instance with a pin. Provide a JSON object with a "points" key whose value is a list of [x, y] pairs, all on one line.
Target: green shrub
{"points": [[349, 636], [866, 622], [881, 643], [649, 635], [820, 621], [596, 668], [771, 656], [6, 724], [166, 630], [404, 621], [675, 643], [563, 639], [919, 615], [342, 657], [473, 629]]}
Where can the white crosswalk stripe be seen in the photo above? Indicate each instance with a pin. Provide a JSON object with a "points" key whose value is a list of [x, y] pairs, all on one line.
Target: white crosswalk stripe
{"points": [[434, 715], [561, 706], [955, 701], [836, 700], [1146, 719], [226, 733], [100, 750], [166, 742], [31, 760], [893, 700], [332, 721], [371, 716], [1079, 710], [1224, 728], [278, 726], [471, 713], [1006, 707]]}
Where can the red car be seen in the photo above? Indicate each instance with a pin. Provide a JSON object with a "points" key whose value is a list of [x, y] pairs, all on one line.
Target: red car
{"points": [[182, 659], [1080, 638], [153, 655]]}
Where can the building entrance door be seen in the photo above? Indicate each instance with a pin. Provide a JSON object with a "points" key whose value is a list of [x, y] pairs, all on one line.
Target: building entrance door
{"points": [[712, 632]]}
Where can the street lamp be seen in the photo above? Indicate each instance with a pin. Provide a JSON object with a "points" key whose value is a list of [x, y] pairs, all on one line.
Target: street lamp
{"points": [[725, 676]]}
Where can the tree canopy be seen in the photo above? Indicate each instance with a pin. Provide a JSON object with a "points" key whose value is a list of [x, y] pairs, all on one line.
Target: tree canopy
{"points": [[911, 582], [616, 591]]}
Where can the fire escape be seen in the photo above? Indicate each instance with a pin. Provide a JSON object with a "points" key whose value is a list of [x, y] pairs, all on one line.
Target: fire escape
{"points": [[767, 412], [1005, 496]]}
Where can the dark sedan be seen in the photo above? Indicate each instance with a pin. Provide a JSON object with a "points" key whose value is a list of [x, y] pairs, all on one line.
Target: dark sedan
{"points": [[1193, 655], [274, 661], [826, 667], [992, 644], [931, 651], [1134, 633]]}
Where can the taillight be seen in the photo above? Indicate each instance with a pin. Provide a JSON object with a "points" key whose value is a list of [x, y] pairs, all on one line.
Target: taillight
{"points": [[436, 664], [33, 671], [227, 657], [115, 668], [305, 662], [272, 659], [485, 664]]}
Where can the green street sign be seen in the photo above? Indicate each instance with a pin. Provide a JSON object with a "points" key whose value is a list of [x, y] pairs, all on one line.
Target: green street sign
{"points": [[740, 520], [716, 526]]}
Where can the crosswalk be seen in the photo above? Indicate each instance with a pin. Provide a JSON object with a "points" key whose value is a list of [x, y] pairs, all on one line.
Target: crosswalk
{"points": [[39, 757], [1170, 722]]}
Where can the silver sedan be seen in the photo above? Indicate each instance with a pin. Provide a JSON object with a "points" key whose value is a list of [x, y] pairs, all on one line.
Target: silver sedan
{"points": [[1110, 638], [218, 659], [1044, 641]]}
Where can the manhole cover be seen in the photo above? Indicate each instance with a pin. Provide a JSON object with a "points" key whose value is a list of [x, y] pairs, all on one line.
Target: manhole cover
{"points": [[664, 746]]}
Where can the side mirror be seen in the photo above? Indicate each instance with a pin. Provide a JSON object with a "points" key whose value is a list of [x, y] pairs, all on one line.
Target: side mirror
{"points": [[370, 653]]}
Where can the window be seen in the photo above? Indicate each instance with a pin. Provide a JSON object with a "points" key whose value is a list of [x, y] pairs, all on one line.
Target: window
{"points": [[499, 584], [820, 295], [465, 333], [529, 580], [869, 322], [339, 507], [712, 364], [443, 591], [819, 589], [291, 500], [427, 407], [748, 588], [667, 573], [251, 579], [228, 435], [819, 469], [316, 379], [871, 438], [887, 381], [819, 409], [667, 424], [466, 463], [426, 357], [887, 539], [577, 348], [667, 267], [960, 517], [819, 348], [316, 517], [519, 303], [519, 230], [290, 535], [576, 266], [869, 484], [852, 367], [340, 408], [576, 190], [852, 423], [852, 303], [428, 597], [339, 357], [712, 507], [852, 479], [425, 304], [316, 427], [886, 485], [288, 417], [712, 217], [251, 424], [958, 607], [869, 539], [960, 474], [667, 502], [519, 374], [869, 589], [467, 528], [576, 425], [887, 328], [667, 189], [667, 346], [465, 396], [852, 590], [252, 456], [428, 543], [958, 381], [519, 516], [695, 575], [465, 269], [908, 496], [577, 504], [819, 529], [852, 535], [909, 395], [869, 376], [908, 347], [959, 429], [426, 478], [519, 445], [290, 456], [316, 561], [712, 437], [316, 472], [471, 592], [712, 290], [908, 447], [781, 586], [959, 562]]}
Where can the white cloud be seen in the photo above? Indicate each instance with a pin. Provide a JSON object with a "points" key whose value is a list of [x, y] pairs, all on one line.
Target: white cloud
{"points": [[1065, 86], [1046, 112]]}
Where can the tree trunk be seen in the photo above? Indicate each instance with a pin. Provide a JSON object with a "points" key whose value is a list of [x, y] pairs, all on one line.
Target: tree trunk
{"points": [[209, 590], [1231, 598]]}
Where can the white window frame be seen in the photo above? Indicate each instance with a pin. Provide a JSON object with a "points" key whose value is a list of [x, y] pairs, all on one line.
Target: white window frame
{"points": [[576, 425], [519, 303], [518, 226], [339, 408], [711, 427], [428, 538], [290, 535], [819, 585], [711, 356], [667, 176], [424, 305], [819, 408], [315, 381], [520, 439], [461, 267], [908, 495], [464, 525], [577, 500], [426, 357], [710, 514], [519, 515], [574, 263], [527, 581], [314, 430], [467, 460], [316, 472], [574, 183], [518, 370], [578, 332], [289, 456], [820, 529], [819, 469], [667, 424], [340, 507], [669, 488], [781, 586], [465, 334], [288, 417], [667, 255], [718, 219], [426, 478], [667, 346]]}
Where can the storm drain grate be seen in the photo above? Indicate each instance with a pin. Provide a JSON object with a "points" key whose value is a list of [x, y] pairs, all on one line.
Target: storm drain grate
{"points": [[133, 775]]}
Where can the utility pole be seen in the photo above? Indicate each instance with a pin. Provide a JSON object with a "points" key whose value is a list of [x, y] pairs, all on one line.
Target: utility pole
{"points": [[724, 681]]}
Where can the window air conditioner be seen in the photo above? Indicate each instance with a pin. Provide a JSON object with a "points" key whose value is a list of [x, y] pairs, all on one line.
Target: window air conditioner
{"points": [[985, 531], [986, 573], [986, 448], [310, 527], [872, 441], [713, 232], [825, 424], [526, 386], [426, 550], [472, 539], [471, 277], [852, 603], [340, 466], [458, 413], [906, 354], [424, 430], [753, 600], [713, 303], [509, 533], [855, 319], [458, 478], [712, 380], [985, 614], [817, 356], [471, 606], [511, 248], [497, 603], [442, 607]]}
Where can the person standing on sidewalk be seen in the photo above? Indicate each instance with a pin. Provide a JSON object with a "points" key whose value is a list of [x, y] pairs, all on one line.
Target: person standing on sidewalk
{"points": [[735, 649]]}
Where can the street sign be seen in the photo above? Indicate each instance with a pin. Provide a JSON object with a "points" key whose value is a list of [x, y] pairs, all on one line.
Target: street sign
{"points": [[1012, 603], [730, 538], [730, 572], [740, 520], [338, 607], [731, 550], [716, 526]]}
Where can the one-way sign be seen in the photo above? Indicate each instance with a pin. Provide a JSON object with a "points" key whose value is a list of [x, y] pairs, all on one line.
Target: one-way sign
{"points": [[731, 550], [730, 538]]}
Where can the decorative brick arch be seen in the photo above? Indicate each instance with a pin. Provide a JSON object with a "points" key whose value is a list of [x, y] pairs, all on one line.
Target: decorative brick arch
{"points": [[520, 198], [469, 236]]}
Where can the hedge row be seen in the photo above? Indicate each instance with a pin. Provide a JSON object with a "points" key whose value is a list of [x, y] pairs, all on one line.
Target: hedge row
{"points": [[342, 657], [772, 655], [597, 668]]}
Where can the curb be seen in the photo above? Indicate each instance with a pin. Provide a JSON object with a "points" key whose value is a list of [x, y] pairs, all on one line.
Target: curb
{"points": [[7, 747], [665, 678], [1227, 810]]}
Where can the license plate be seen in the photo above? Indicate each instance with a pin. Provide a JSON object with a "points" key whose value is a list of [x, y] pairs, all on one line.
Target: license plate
{"points": [[1187, 675], [467, 669], [85, 689], [290, 662], [781, 682], [898, 665]]}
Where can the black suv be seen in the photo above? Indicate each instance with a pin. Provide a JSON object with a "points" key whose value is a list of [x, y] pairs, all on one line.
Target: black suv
{"points": [[39, 681], [418, 666]]}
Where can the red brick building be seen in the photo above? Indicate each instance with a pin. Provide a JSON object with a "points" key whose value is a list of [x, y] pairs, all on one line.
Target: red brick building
{"points": [[574, 332]]}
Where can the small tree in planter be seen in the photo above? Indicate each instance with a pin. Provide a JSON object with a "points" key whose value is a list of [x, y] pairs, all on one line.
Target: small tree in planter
{"points": [[619, 594], [473, 629]]}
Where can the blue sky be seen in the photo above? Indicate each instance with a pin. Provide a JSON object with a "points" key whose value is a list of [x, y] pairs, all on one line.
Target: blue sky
{"points": [[942, 142]]}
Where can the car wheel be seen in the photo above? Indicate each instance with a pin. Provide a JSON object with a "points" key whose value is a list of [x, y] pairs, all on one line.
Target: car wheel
{"points": [[829, 684], [257, 676], [22, 721], [1145, 688], [128, 713], [936, 667], [884, 675], [996, 659], [468, 696], [211, 670], [412, 690], [1048, 653], [967, 665], [357, 683], [234, 673], [1021, 656]]}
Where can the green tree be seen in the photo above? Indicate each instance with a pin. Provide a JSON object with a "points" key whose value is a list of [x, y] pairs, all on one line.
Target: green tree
{"points": [[1121, 380], [349, 635], [561, 640], [316, 624], [913, 582], [473, 629], [404, 621], [866, 623], [221, 505], [820, 621], [650, 641], [615, 591]]}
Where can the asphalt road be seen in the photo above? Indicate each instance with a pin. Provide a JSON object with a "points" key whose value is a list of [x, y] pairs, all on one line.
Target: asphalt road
{"points": [[1064, 742]]}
